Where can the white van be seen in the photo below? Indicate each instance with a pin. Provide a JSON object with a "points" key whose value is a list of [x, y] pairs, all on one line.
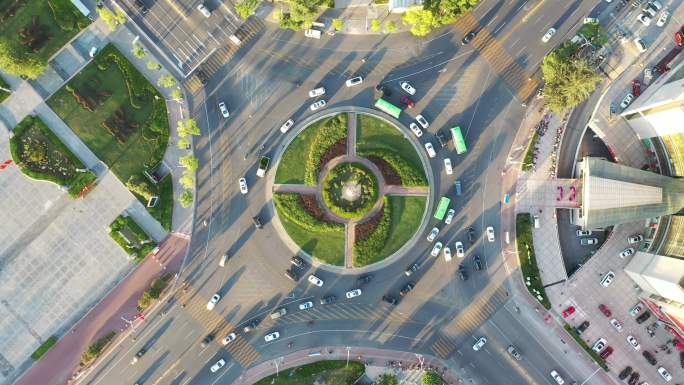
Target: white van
{"points": [[536, 221], [235, 40], [314, 33]]}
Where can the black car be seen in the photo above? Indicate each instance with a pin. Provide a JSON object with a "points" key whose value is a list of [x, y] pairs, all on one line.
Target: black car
{"points": [[383, 91], [207, 340], [441, 138], [328, 299], [477, 264], [406, 289], [468, 37], [143, 9], [251, 326], [633, 378], [462, 272], [292, 274], [471, 234], [643, 317], [297, 261], [202, 77], [411, 269], [649, 357], [364, 279], [257, 222], [582, 327], [625, 372], [389, 299]]}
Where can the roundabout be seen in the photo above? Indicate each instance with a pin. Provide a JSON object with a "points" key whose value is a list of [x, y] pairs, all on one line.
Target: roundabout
{"points": [[350, 189]]}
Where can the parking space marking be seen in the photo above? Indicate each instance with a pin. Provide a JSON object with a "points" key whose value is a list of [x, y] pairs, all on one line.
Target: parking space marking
{"points": [[173, 5]]}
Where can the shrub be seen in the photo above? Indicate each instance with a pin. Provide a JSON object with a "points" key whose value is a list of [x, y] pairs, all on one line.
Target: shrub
{"points": [[141, 246], [139, 51], [183, 143], [185, 199], [330, 133], [167, 81], [367, 250], [528, 162], [410, 176], [190, 162], [188, 127], [177, 94], [187, 180], [335, 182], [390, 26], [528, 261], [112, 19], [95, 349], [246, 8], [387, 379], [67, 17], [141, 186], [43, 348], [338, 24], [153, 65], [375, 25], [290, 206], [152, 294], [431, 378]]}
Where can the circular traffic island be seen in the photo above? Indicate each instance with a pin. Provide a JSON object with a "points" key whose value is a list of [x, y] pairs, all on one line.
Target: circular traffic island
{"points": [[350, 189]]}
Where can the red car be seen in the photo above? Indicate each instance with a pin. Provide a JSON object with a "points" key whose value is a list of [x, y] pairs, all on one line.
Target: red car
{"points": [[405, 100], [567, 312], [604, 309], [636, 87], [606, 352], [678, 38]]}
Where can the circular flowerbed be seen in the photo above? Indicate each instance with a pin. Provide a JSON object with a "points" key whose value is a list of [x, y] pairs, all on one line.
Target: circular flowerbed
{"points": [[350, 190]]}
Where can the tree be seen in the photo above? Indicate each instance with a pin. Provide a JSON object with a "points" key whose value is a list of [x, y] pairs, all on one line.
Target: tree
{"points": [[302, 13], [16, 61], [187, 180], [446, 11], [183, 143], [190, 162], [246, 8], [112, 19], [430, 378], [140, 186], [188, 127], [185, 198], [569, 81], [139, 51], [421, 21], [375, 25], [167, 81], [387, 379], [153, 65], [177, 94], [390, 26], [338, 24]]}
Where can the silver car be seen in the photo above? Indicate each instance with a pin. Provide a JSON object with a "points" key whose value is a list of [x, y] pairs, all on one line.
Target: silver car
{"points": [[435, 250], [317, 105], [416, 130], [433, 234]]}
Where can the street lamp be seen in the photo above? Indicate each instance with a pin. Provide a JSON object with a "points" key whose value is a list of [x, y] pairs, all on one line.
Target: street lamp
{"points": [[348, 350]]}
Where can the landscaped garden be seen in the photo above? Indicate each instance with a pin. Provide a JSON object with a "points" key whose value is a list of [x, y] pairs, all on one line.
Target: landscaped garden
{"points": [[122, 118], [318, 373], [350, 193], [131, 237], [41, 155], [528, 261]]}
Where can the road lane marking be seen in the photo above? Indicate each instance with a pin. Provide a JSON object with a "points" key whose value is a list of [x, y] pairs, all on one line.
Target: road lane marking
{"points": [[521, 5], [499, 27], [492, 20]]}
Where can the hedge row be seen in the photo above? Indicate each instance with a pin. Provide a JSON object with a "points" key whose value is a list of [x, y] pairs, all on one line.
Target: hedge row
{"points": [[43, 348], [330, 133], [409, 175], [528, 162], [334, 184], [600, 361], [289, 205], [96, 348], [366, 251], [66, 16], [138, 253], [528, 261], [154, 292], [137, 85]]}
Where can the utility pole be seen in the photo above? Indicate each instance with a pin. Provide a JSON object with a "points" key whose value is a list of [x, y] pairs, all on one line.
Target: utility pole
{"points": [[348, 350]]}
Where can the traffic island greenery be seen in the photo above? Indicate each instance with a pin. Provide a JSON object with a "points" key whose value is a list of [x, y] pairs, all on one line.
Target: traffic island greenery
{"points": [[154, 292], [528, 262], [528, 161], [96, 348], [43, 348], [350, 190], [318, 373], [371, 236], [599, 361], [40, 154], [131, 237], [32, 31], [334, 131]]}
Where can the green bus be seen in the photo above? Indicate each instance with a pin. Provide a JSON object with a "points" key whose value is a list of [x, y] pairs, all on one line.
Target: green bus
{"points": [[459, 142], [387, 107], [442, 208]]}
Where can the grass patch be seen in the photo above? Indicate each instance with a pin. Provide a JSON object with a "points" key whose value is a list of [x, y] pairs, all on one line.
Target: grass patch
{"points": [[373, 134], [599, 361], [528, 161], [326, 246], [40, 154], [131, 237], [4, 94], [117, 113], [322, 372], [43, 348], [163, 211], [528, 261], [96, 348]]}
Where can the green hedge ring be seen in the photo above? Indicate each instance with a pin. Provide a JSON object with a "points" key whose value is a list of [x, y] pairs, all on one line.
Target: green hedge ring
{"points": [[350, 190]]}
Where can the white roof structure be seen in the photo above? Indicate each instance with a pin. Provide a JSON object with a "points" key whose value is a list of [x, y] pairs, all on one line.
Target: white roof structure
{"points": [[657, 274]]}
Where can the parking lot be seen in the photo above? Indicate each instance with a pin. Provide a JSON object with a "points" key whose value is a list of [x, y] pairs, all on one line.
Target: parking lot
{"points": [[185, 35]]}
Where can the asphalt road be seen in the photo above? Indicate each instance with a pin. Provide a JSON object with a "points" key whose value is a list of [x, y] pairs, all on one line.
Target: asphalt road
{"points": [[443, 315]]}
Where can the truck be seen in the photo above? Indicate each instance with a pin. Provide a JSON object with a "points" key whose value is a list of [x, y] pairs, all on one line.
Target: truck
{"points": [[263, 166], [314, 33]]}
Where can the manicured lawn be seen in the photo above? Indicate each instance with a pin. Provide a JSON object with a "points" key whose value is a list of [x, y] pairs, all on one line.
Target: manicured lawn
{"points": [[137, 116], [328, 246], [53, 22], [125, 229], [42, 349], [407, 212], [318, 373], [528, 262]]}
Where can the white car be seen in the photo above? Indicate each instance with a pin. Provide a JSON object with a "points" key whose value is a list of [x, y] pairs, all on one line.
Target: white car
{"points": [[228, 339], [204, 10], [460, 251], [627, 252], [632, 341], [490, 233], [422, 121], [271, 336], [317, 92], [447, 254], [433, 234], [583, 233], [636, 238], [416, 130], [408, 88], [315, 280], [224, 109], [286, 126], [616, 324], [662, 19], [449, 216], [436, 249], [556, 377], [447, 166], [213, 301], [664, 374], [599, 345], [430, 150], [479, 344], [640, 44], [607, 279], [549, 34], [644, 19], [305, 305], [354, 81], [353, 293], [219, 364], [627, 100], [243, 185], [317, 105], [636, 309], [92, 52]]}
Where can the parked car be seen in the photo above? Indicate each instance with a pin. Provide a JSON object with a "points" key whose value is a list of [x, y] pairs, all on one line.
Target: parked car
{"points": [[407, 288], [548, 35], [664, 374], [422, 121], [257, 222], [352, 293], [636, 238], [407, 87], [557, 377], [364, 279], [640, 45], [450, 216], [220, 363], [407, 101], [607, 279], [568, 312], [355, 81], [291, 273], [633, 379], [278, 313], [430, 150], [306, 305], [616, 324], [229, 338], [327, 300], [317, 105], [606, 352], [649, 357], [681, 359], [315, 280], [242, 182], [297, 261], [582, 327], [462, 272], [436, 249], [250, 326], [411, 269], [627, 252], [441, 138], [604, 309], [138, 355], [204, 10], [460, 250], [457, 186], [625, 372], [207, 340], [642, 318], [588, 241], [636, 87], [644, 19], [416, 130], [471, 234], [633, 341], [599, 345], [389, 299], [583, 233], [479, 344], [477, 264], [490, 233], [433, 234], [316, 92], [213, 301], [447, 253], [636, 309], [626, 101]]}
